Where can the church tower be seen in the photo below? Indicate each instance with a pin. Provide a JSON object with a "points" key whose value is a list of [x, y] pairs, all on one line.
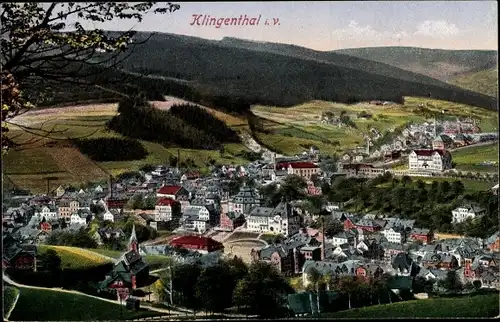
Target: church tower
{"points": [[133, 244]]}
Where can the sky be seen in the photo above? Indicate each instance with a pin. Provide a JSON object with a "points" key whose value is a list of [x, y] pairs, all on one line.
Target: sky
{"points": [[336, 25]]}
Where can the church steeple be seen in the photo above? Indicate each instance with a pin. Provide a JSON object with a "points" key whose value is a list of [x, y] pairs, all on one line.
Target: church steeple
{"points": [[133, 243]]}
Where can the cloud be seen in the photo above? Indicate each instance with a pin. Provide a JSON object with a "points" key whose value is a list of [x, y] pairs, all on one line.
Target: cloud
{"points": [[355, 31], [437, 29]]}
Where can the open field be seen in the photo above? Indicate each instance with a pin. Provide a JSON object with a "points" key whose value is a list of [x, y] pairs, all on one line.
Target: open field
{"points": [[470, 158], [107, 252], [476, 306], [38, 158], [73, 257], [293, 129], [241, 250], [154, 261], [47, 305]]}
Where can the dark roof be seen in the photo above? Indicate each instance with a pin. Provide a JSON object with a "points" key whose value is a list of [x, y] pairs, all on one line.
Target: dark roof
{"points": [[428, 152], [296, 165]]}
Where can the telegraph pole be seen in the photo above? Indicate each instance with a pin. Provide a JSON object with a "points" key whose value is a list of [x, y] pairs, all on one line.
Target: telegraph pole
{"points": [[170, 289]]}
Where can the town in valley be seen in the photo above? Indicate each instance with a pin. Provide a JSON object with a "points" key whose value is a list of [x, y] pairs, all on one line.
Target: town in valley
{"points": [[152, 175]]}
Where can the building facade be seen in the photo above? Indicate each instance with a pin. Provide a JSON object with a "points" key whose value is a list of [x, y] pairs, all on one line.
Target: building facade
{"points": [[430, 160]]}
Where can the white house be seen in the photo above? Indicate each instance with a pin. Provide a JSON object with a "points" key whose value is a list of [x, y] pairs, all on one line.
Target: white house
{"points": [[48, 212], [280, 220], [394, 235], [197, 218], [428, 159], [108, 216], [471, 210], [339, 239], [163, 209], [77, 218]]}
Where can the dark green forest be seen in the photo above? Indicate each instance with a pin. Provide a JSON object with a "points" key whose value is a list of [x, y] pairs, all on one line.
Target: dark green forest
{"points": [[280, 79], [196, 116], [109, 149], [139, 120], [430, 205], [225, 76]]}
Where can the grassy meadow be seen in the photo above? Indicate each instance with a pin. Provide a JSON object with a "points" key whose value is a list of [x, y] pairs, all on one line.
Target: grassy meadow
{"points": [[51, 305], [476, 306], [74, 257], [38, 158], [470, 158], [293, 129]]}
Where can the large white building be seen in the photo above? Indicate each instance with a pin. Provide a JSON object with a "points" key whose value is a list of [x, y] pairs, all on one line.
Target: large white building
{"points": [[396, 235], [197, 217], [429, 159], [461, 213], [279, 220], [163, 209], [48, 212]]}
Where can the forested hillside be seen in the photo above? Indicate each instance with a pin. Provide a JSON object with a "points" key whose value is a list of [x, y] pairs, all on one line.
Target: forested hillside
{"points": [[485, 82], [437, 63], [139, 120], [277, 79]]}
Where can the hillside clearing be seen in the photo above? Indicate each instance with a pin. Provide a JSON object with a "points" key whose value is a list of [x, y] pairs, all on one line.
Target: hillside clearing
{"points": [[293, 130], [48, 305], [30, 165], [478, 306], [485, 82], [472, 158], [73, 257]]}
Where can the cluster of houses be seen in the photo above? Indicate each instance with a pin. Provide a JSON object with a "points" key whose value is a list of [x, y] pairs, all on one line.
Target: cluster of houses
{"points": [[425, 145], [370, 246]]}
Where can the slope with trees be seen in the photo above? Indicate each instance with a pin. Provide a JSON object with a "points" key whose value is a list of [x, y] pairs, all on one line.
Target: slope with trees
{"points": [[258, 76], [437, 63], [138, 119], [485, 81]]}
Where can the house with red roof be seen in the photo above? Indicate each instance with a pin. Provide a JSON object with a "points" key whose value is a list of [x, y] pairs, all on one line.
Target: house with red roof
{"points": [[197, 243], [163, 209], [429, 159], [174, 192], [299, 168]]}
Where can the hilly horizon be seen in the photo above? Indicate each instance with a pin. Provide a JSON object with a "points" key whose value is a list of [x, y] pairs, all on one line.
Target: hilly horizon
{"points": [[442, 64], [231, 68]]}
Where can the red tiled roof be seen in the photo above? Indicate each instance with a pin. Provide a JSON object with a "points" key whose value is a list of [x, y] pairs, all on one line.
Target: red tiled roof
{"points": [[204, 242], [165, 202], [192, 174], [428, 152], [297, 165], [169, 190]]}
